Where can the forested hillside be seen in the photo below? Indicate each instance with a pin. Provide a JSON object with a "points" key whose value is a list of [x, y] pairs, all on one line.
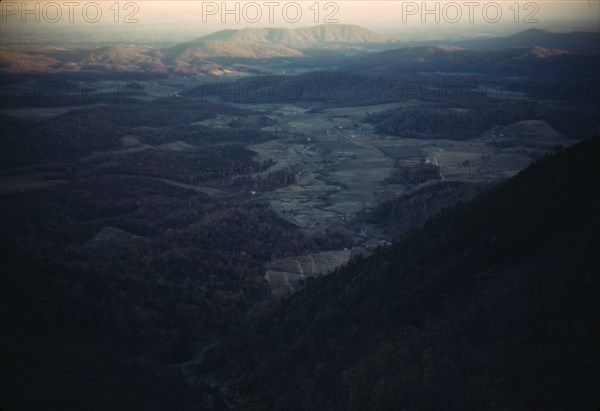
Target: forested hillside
{"points": [[492, 305], [108, 282]]}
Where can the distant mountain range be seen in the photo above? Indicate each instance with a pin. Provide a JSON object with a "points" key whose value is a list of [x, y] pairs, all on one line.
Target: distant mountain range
{"points": [[511, 61], [305, 37], [223, 48], [121, 59], [576, 41], [20, 61], [529, 52]]}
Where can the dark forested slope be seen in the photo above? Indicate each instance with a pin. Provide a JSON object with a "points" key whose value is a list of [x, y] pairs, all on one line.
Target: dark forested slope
{"points": [[492, 305]]}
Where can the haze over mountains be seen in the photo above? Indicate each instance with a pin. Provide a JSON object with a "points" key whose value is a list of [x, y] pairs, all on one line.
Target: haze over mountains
{"points": [[517, 54]]}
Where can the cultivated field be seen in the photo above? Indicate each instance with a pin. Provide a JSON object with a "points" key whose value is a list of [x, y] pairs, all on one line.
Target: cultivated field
{"points": [[287, 275]]}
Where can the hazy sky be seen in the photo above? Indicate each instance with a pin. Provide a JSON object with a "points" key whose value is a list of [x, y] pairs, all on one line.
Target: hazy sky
{"points": [[182, 20], [377, 14]]}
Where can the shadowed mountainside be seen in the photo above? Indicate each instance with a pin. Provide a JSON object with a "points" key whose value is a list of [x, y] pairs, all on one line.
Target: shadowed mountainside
{"points": [[491, 305]]}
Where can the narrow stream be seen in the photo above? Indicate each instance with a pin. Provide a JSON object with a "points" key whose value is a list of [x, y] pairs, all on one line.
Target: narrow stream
{"points": [[214, 390]]}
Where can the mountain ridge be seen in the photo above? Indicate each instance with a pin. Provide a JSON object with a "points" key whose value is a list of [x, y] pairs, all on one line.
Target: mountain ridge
{"points": [[534, 60], [521, 53], [573, 41], [303, 36], [469, 311]]}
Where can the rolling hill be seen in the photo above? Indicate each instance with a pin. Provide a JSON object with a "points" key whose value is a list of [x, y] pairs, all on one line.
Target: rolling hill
{"points": [[122, 59], [220, 48], [576, 41], [16, 61], [512, 61]]}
